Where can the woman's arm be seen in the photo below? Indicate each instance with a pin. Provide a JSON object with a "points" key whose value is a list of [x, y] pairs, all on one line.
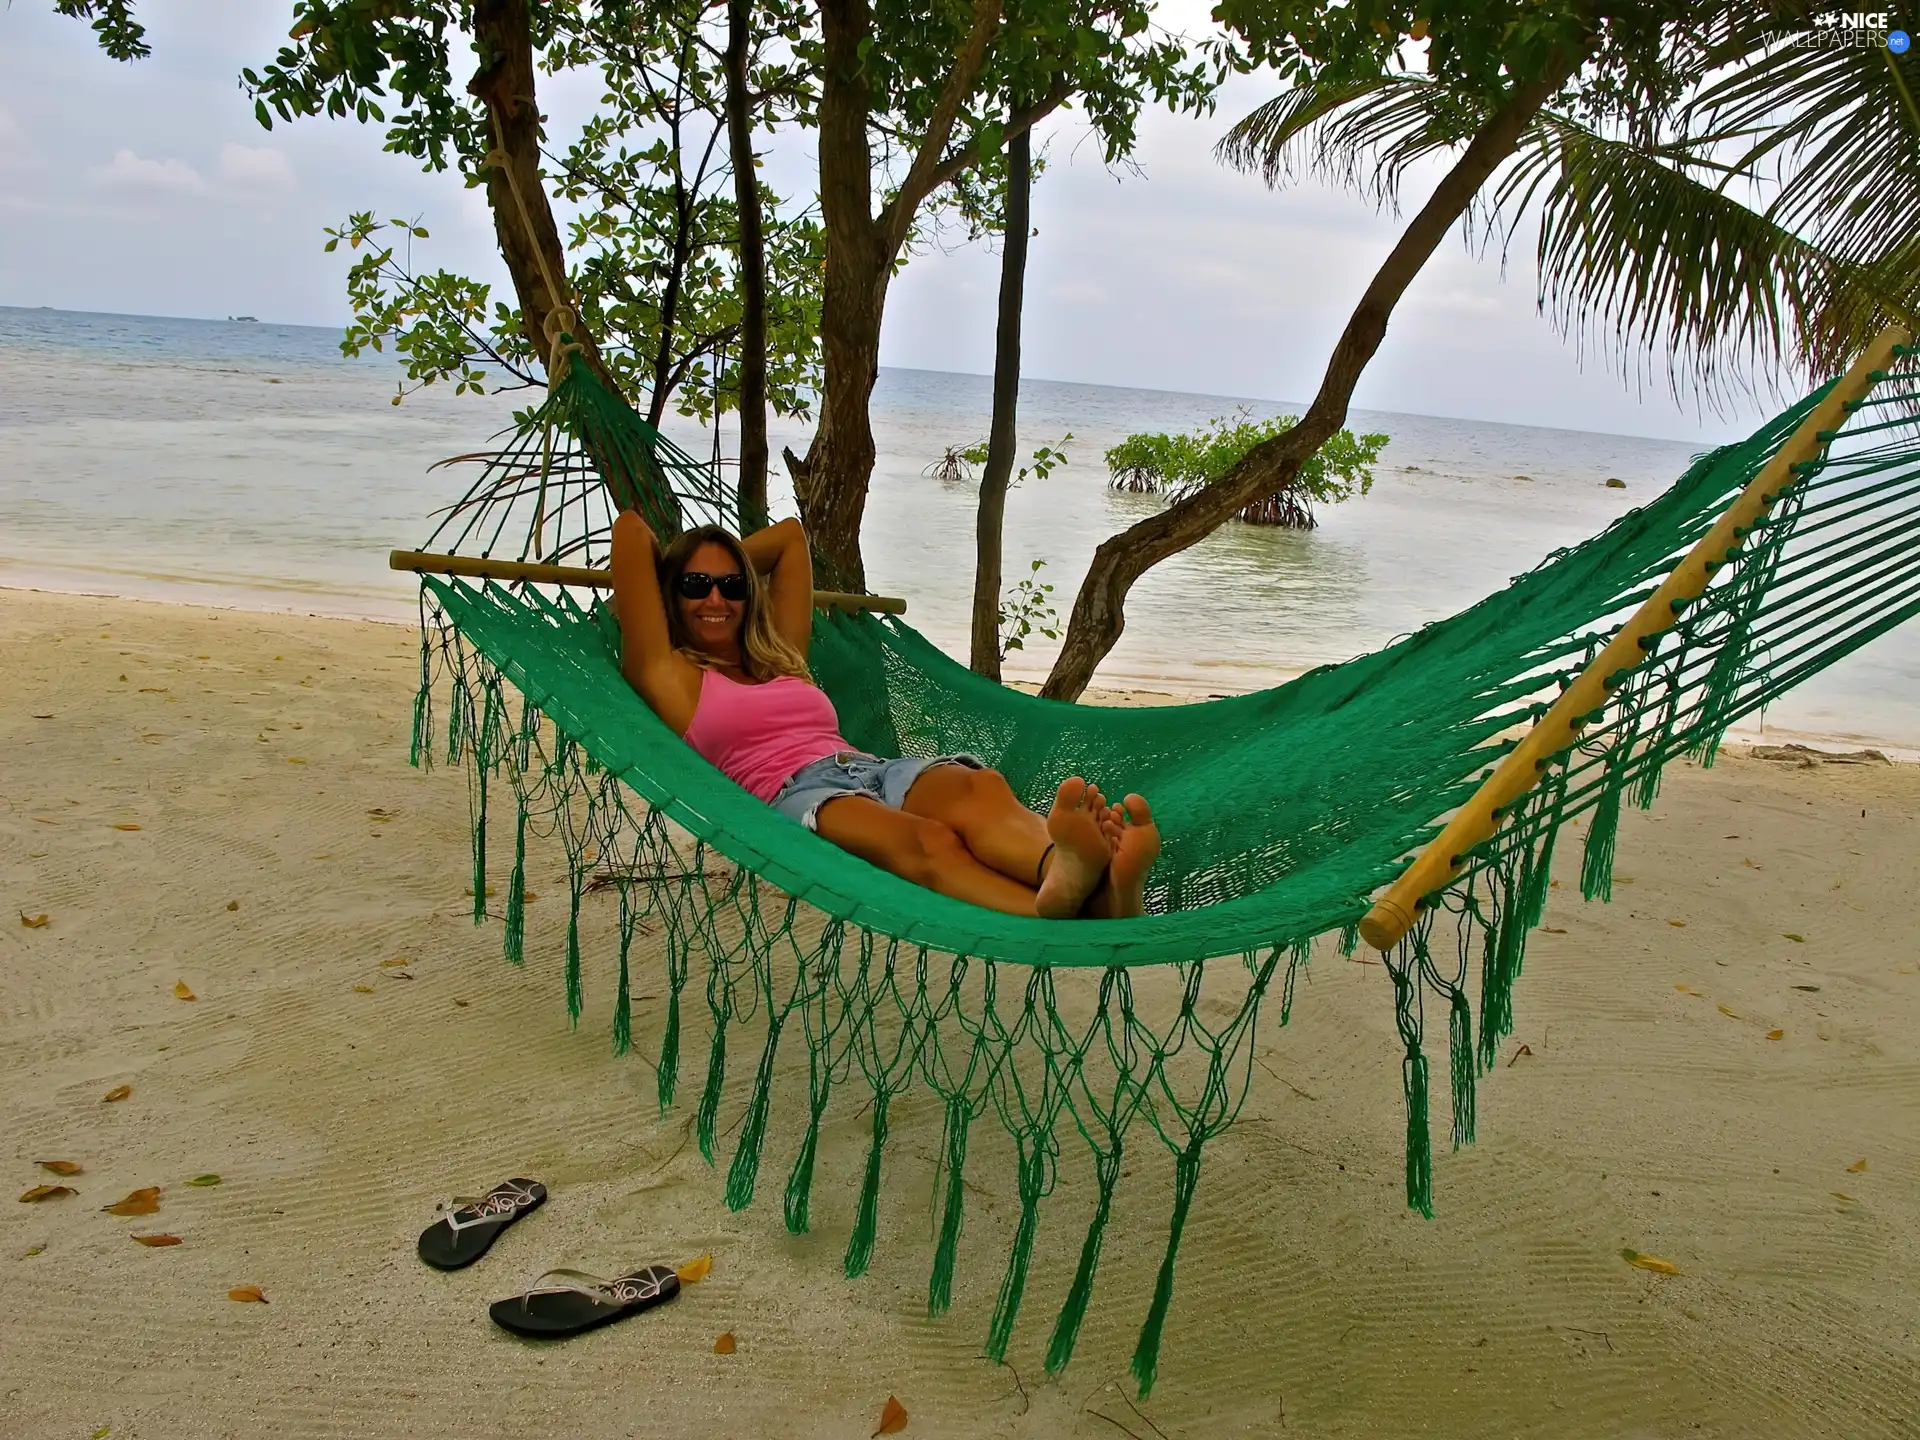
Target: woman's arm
{"points": [[665, 679], [780, 553]]}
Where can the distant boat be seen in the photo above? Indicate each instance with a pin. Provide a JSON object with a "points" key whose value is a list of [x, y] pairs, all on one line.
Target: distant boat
{"points": [[254, 319]]}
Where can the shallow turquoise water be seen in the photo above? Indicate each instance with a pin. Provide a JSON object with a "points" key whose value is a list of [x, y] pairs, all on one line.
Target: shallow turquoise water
{"points": [[251, 464]]}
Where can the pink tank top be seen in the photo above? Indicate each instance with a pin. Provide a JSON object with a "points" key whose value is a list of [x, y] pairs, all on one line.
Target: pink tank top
{"points": [[759, 735]]}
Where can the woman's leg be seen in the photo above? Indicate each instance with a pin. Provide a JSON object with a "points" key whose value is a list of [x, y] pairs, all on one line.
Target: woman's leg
{"points": [[1001, 832], [922, 850], [1065, 854]]}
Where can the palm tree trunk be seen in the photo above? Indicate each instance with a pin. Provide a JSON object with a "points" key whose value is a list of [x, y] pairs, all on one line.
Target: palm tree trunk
{"points": [[990, 526], [1099, 614], [753, 271]]}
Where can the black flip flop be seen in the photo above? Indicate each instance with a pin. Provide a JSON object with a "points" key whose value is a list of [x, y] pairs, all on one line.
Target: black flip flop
{"points": [[552, 1312], [472, 1224]]}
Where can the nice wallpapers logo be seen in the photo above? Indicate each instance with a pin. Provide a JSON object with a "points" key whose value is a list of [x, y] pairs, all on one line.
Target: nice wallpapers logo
{"points": [[1853, 30]]}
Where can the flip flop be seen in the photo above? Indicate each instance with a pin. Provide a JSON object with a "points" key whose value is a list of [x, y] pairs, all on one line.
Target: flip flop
{"points": [[551, 1312], [472, 1224]]}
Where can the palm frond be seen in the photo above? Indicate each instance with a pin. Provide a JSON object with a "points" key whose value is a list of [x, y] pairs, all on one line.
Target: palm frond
{"points": [[1362, 136], [1671, 265], [1842, 131]]}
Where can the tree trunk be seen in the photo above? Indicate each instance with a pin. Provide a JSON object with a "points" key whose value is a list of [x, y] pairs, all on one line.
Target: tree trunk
{"points": [[1099, 614], [661, 387], [528, 237], [831, 482], [753, 272], [990, 527]]}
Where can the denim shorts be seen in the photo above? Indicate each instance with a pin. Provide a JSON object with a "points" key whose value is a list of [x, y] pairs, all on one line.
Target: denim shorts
{"points": [[852, 772]]}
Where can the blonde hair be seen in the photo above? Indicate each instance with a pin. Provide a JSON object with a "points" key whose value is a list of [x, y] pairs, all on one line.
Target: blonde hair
{"points": [[763, 653]]}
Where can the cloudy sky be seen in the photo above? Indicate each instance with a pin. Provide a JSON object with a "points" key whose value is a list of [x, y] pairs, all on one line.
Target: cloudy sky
{"points": [[149, 189]]}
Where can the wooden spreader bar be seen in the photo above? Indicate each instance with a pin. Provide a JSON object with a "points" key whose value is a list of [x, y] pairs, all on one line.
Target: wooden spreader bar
{"points": [[423, 562], [1395, 911]]}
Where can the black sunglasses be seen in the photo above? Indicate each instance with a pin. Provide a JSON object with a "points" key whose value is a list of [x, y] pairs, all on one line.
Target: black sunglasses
{"points": [[697, 585]]}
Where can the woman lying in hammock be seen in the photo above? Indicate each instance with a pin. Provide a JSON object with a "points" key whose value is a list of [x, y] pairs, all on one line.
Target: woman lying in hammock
{"points": [[719, 652]]}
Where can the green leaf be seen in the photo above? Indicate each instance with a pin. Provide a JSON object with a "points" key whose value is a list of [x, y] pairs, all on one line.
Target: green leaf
{"points": [[205, 1180]]}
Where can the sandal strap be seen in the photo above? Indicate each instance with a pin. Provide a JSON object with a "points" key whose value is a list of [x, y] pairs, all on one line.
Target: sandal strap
{"points": [[623, 1290], [499, 1203]]}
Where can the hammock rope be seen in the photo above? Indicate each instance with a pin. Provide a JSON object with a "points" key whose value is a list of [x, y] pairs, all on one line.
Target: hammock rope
{"points": [[907, 1006]]}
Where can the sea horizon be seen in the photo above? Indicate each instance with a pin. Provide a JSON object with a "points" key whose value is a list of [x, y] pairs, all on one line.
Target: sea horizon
{"points": [[1025, 379]]}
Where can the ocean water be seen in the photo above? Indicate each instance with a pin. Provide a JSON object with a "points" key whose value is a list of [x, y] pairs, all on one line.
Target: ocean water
{"points": [[251, 464]]}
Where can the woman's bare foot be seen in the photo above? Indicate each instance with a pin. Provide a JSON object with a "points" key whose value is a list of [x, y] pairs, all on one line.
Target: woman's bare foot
{"points": [[1080, 850], [1135, 842]]}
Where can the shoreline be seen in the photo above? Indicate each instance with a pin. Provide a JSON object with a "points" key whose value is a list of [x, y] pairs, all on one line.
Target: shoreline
{"points": [[1130, 689]]}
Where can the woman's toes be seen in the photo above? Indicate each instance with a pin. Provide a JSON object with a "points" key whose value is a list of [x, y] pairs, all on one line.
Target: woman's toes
{"points": [[1133, 855], [1081, 850]]}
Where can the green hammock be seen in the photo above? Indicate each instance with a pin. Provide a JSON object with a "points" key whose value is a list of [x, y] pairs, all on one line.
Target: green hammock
{"points": [[827, 982]]}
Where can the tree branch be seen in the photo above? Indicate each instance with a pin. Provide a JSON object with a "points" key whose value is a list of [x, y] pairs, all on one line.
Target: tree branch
{"points": [[1019, 123], [896, 218]]}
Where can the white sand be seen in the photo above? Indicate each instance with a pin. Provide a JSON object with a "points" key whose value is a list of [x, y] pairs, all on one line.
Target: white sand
{"points": [[1308, 1302]]}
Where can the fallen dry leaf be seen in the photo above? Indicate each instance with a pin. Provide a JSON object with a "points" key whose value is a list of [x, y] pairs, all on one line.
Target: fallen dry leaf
{"points": [[1856, 1167], [157, 1240], [119, 1092], [181, 992], [363, 989], [694, 1271], [724, 1344], [46, 1192], [101, 1433], [1726, 1012], [249, 1293], [126, 827], [1797, 939], [233, 904], [143, 1201], [1687, 990], [461, 1003], [1551, 930], [1678, 924], [33, 922], [33, 1250], [67, 1167], [295, 760], [1776, 1034], [1650, 1262], [397, 960], [1841, 1195], [893, 1418], [203, 1181]]}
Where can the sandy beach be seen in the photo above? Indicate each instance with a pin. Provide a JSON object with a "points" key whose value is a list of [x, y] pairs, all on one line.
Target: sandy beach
{"points": [[1721, 1069]]}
